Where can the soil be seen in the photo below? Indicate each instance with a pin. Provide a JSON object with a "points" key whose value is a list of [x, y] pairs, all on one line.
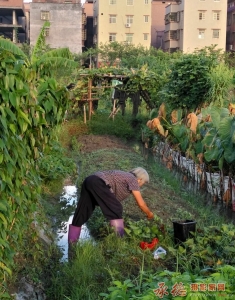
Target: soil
{"points": [[91, 142], [166, 202]]}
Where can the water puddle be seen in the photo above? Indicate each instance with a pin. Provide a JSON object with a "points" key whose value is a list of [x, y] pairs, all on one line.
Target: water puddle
{"points": [[69, 198]]}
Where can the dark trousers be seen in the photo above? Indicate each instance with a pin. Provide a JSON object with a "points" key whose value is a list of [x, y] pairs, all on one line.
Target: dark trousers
{"points": [[94, 193]]}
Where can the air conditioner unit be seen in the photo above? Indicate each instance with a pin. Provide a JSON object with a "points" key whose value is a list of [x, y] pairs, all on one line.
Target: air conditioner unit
{"points": [[128, 25]]}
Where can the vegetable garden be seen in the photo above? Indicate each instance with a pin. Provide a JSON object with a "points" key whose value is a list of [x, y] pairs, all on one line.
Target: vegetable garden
{"points": [[189, 120]]}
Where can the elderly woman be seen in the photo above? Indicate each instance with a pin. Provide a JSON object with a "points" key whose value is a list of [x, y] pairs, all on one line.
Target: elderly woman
{"points": [[108, 189]]}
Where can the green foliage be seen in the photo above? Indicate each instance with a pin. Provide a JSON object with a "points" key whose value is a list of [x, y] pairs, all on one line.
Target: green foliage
{"points": [[218, 136], [188, 82], [54, 164], [220, 85], [84, 278], [29, 110], [174, 285], [120, 126], [145, 230], [210, 247], [11, 47], [40, 43]]}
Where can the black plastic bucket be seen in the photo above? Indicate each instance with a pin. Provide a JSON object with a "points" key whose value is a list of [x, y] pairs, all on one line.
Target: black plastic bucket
{"points": [[183, 229]]}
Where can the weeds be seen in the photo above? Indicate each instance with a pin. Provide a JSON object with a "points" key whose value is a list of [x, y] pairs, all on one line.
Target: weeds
{"points": [[112, 267]]}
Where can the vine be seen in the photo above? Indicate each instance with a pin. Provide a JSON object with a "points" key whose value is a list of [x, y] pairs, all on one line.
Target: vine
{"points": [[29, 110]]}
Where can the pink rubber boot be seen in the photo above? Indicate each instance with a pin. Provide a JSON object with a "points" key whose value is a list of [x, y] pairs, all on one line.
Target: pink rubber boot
{"points": [[118, 225]]}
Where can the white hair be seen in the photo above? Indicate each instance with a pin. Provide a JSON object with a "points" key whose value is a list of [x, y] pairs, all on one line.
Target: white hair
{"points": [[141, 174]]}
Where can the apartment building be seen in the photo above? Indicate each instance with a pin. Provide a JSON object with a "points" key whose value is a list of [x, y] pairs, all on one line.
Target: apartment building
{"points": [[122, 21], [230, 40], [13, 21], [158, 23], [65, 17], [87, 30], [191, 24]]}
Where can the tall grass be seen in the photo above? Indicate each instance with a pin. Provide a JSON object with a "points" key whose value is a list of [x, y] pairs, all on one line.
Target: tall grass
{"points": [[83, 278]]}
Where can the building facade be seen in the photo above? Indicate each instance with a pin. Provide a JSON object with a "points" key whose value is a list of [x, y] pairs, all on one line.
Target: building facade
{"points": [[65, 17], [126, 21], [13, 20], [191, 25], [87, 25], [158, 23], [230, 39]]}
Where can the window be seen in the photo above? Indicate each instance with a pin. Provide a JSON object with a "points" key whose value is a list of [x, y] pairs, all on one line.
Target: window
{"points": [[178, 16], [216, 15], [146, 35], [173, 17], [112, 37], [173, 34], [146, 19], [215, 33], [45, 15], [178, 34], [111, 2], [46, 31], [95, 39], [95, 21], [84, 19], [129, 19], [129, 37], [112, 18], [201, 33], [216, 0], [146, 1], [84, 35], [202, 0], [202, 15], [129, 2]]}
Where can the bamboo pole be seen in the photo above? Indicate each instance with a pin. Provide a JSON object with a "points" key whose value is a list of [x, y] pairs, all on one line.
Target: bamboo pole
{"points": [[89, 97], [84, 112]]}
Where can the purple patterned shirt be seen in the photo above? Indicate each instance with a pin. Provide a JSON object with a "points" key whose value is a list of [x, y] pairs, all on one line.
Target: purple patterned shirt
{"points": [[121, 183]]}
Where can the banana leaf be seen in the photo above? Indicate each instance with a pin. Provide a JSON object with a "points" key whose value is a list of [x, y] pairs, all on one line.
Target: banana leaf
{"points": [[61, 52], [11, 47], [56, 62]]}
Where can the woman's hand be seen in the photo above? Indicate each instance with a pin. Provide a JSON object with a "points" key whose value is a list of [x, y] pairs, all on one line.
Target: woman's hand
{"points": [[142, 205], [150, 216]]}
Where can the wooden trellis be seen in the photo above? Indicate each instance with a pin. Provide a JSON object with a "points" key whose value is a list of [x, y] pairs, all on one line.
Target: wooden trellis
{"points": [[91, 94]]}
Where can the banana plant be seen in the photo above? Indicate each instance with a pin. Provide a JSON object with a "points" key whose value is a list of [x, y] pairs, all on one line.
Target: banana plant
{"points": [[40, 61]]}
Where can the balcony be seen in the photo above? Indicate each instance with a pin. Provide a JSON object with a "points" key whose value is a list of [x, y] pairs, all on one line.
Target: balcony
{"points": [[172, 8], [11, 27]]}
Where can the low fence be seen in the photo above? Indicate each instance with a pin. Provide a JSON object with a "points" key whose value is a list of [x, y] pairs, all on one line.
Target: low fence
{"points": [[220, 187]]}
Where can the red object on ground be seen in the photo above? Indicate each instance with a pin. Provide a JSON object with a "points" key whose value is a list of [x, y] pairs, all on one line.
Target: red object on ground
{"points": [[145, 245]]}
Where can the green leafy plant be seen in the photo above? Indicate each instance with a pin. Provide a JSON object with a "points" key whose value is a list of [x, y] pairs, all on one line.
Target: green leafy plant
{"points": [[30, 108], [145, 230]]}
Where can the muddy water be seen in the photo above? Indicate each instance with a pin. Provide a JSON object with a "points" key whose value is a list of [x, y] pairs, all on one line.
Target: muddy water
{"points": [[70, 194]]}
